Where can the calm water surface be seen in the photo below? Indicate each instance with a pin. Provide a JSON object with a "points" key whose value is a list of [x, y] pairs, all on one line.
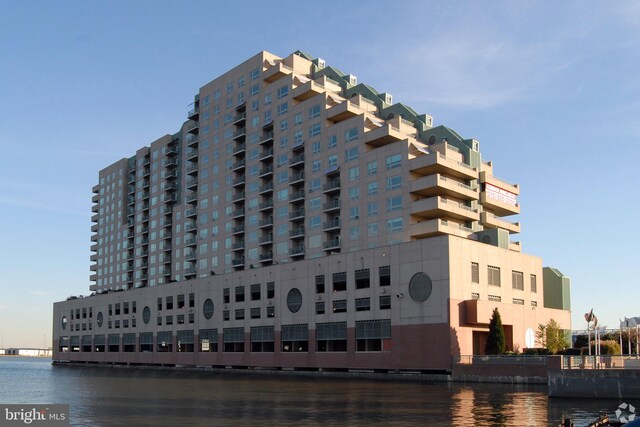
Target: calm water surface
{"points": [[105, 396]]}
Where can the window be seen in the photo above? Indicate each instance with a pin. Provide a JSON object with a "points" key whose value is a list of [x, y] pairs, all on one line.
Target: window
{"points": [[208, 340], [254, 89], [354, 173], [316, 165], [271, 290], [314, 111], [340, 306], [262, 339], [351, 154], [283, 108], [255, 292], [169, 303], [385, 302], [372, 229], [339, 282], [283, 91], [372, 208], [332, 161], [332, 141], [394, 203], [384, 274], [225, 296], [239, 314], [320, 307], [331, 336], [239, 293], [363, 278], [354, 193], [372, 188], [192, 301], [394, 225], [316, 147], [295, 338], [314, 130], [517, 280], [494, 275], [207, 308], [394, 182], [225, 315], [117, 310], [351, 135], [534, 285], [297, 119], [372, 168], [168, 320], [363, 304], [320, 284], [394, 161], [181, 301], [475, 272], [372, 335], [233, 339]]}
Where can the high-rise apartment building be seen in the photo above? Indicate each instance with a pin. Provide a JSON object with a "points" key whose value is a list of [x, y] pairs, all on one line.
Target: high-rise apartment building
{"points": [[302, 219]]}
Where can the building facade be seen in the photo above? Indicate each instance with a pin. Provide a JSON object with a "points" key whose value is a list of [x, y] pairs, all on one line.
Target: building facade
{"points": [[300, 219]]}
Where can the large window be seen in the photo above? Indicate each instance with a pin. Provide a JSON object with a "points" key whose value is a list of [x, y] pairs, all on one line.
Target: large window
{"points": [[372, 335], [339, 282], [262, 339], [164, 342], [185, 341], [146, 341], [208, 340], [517, 280], [233, 339], [363, 278], [331, 336], [295, 338]]}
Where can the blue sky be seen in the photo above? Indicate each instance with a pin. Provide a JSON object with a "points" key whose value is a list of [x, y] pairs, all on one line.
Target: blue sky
{"points": [[550, 90]]}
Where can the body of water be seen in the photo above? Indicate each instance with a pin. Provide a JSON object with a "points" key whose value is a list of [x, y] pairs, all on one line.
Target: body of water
{"points": [[103, 396]]}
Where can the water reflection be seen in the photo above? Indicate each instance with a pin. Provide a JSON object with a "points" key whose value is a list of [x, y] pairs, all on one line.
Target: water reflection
{"points": [[107, 396]]}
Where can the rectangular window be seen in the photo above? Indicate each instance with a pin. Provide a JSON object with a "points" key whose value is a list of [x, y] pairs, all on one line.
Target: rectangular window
{"points": [[363, 304], [534, 284], [283, 91], [239, 314], [117, 310], [385, 302], [384, 274], [339, 282], [394, 182], [295, 338], [169, 303], [192, 300], [225, 295], [394, 203], [350, 154], [331, 336], [494, 275], [233, 339], [351, 135], [320, 307], [340, 306], [255, 292], [314, 111], [314, 130], [262, 339], [372, 188], [181, 301], [226, 315], [394, 161], [320, 284], [517, 280], [475, 272], [271, 290], [239, 293], [373, 335], [363, 278], [283, 108], [271, 312], [372, 168], [394, 225], [208, 340], [255, 313], [372, 208], [332, 141]]}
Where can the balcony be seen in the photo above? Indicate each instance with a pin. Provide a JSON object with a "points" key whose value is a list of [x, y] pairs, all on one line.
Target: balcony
{"points": [[95, 208], [171, 198], [94, 228], [170, 187], [332, 205], [95, 198], [332, 244], [239, 149], [266, 222], [240, 164], [266, 239], [498, 203], [383, 135], [239, 119], [191, 183], [266, 256], [296, 214], [490, 220], [193, 113], [267, 137], [240, 133], [192, 153], [298, 145], [192, 140], [296, 196], [266, 205], [438, 185], [266, 188], [239, 229], [307, 90], [439, 207], [190, 255], [238, 246], [331, 186], [487, 178], [237, 262], [266, 154], [190, 226], [276, 72], [343, 111], [170, 162], [268, 124], [435, 162], [190, 240], [438, 227], [296, 232], [238, 181], [297, 160], [171, 174], [237, 213], [96, 189], [172, 149], [297, 251], [191, 197], [241, 105], [192, 169], [334, 224], [238, 197], [267, 170], [296, 178], [193, 128]]}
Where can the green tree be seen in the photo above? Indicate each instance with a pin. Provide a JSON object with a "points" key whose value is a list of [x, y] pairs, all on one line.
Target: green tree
{"points": [[552, 337], [496, 342]]}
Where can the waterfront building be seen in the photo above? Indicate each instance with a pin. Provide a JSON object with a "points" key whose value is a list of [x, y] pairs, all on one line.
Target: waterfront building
{"points": [[301, 219]]}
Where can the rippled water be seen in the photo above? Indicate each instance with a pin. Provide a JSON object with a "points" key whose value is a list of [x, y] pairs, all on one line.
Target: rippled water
{"points": [[102, 396]]}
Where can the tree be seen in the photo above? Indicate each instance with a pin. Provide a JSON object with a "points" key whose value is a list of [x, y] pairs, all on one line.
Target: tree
{"points": [[496, 342], [552, 337]]}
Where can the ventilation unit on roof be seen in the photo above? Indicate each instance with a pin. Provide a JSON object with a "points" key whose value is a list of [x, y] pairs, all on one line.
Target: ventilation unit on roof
{"points": [[320, 63], [352, 79], [495, 236]]}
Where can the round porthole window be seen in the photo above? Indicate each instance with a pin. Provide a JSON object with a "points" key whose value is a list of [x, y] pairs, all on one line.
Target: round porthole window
{"points": [[99, 319], [64, 322], [146, 314], [420, 287], [207, 309], [294, 300]]}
